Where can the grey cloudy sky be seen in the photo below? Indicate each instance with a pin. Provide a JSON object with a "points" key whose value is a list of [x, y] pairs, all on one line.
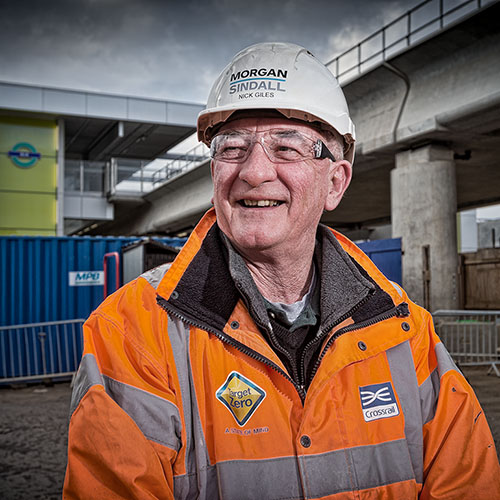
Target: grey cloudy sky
{"points": [[166, 49]]}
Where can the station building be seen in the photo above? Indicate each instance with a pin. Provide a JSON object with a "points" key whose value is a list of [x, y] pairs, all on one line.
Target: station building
{"points": [[63, 151]]}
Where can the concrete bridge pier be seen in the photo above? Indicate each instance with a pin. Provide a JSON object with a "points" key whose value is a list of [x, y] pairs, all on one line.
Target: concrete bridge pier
{"points": [[423, 212]]}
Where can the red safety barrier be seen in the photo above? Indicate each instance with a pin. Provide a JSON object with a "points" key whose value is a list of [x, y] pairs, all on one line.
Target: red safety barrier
{"points": [[116, 255]]}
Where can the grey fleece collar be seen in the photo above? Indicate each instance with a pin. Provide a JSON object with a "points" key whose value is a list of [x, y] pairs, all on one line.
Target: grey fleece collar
{"points": [[342, 285], [246, 285]]}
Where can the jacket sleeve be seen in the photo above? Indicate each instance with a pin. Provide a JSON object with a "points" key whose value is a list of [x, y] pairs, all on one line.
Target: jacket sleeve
{"points": [[460, 459], [125, 427]]}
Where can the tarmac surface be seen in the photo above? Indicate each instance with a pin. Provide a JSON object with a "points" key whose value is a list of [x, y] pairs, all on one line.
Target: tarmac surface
{"points": [[33, 434]]}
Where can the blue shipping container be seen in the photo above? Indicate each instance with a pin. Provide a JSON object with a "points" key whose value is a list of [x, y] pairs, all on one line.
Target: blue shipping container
{"points": [[386, 255], [46, 279], [56, 278]]}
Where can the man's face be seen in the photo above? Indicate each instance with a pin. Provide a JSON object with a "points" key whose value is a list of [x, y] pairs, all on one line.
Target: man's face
{"points": [[292, 195]]}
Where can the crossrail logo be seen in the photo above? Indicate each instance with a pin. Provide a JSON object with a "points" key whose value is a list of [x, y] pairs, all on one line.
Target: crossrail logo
{"points": [[378, 401], [240, 396]]}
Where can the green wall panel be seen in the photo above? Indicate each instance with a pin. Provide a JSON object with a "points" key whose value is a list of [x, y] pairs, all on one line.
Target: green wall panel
{"points": [[26, 232], [42, 134], [41, 177], [28, 193], [27, 210]]}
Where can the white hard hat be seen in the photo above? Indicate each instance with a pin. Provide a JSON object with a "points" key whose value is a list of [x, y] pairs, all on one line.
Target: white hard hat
{"points": [[283, 77]]}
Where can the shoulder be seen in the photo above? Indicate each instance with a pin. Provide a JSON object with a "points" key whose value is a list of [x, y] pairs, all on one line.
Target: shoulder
{"points": [[132, 312]]}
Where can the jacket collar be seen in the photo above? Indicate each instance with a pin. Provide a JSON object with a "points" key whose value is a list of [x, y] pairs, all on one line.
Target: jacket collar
{"points": [[211, 280]]}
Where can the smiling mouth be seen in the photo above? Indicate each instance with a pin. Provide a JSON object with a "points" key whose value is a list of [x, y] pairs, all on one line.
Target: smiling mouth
{"points": [[260, 203]]}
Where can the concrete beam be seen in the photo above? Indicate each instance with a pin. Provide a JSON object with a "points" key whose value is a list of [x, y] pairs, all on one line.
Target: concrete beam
{"points": [[176, 205]]}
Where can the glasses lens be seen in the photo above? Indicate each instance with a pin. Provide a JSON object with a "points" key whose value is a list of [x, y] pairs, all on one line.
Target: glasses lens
{"points": [[281, 146], [230, 147], [289, 145]]}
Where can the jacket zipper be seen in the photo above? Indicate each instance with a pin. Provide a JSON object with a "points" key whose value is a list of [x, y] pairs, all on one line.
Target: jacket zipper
{"points": [[400, 311], [348, 314], [269, 329], [232, 342]]}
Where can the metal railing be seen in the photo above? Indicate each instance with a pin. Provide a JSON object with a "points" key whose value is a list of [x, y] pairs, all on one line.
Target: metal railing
{"points": [[194, 157], [471, 337], [424, 19], [39, 351], [129, 176], [140, 177]]}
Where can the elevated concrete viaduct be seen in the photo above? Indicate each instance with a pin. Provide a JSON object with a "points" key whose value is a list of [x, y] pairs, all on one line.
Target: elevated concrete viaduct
{"points": [[428, 127]]}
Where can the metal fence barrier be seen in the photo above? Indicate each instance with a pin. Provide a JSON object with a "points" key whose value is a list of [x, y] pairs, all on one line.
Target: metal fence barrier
{"points": [[471, 337], [418, 23], [53, 349], [40, 351]]}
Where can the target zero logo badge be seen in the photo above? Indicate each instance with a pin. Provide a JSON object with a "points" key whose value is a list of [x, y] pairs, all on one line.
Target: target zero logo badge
{"points": [[24, 155], [240, 396]]}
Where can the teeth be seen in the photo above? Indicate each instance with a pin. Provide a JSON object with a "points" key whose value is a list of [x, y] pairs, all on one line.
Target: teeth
{"points": [[261, 203]]}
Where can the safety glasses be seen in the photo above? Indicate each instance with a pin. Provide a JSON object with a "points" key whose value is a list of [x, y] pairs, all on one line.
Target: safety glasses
{"points": [[280, 146]]}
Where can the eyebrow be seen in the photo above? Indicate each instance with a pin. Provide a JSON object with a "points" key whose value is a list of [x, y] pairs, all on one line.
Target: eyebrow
{"points": [[235, 132], [287, 131]]}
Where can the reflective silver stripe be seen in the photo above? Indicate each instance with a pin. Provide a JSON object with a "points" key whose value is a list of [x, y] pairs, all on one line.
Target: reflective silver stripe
{"points": [[397, 287], [324, 474], [429, 389], [197, 459], [444, 359], [260, 479], [154, 276], [429, 392], [88, 375], [157, 418], [382, 464], [404, 378], [186, 486]]}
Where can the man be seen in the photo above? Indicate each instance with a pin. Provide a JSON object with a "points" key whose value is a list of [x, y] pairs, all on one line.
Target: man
{"points": [[273, 359]]}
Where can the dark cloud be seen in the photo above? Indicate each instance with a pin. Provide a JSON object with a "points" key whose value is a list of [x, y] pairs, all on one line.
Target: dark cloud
{"points": [[167, 49]]}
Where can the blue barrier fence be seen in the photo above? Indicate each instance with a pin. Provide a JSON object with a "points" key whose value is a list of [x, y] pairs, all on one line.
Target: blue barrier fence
{"points": [[39, 351]]}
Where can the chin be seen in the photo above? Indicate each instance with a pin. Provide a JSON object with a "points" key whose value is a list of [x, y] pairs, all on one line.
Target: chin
{"points": [[259, 241]]}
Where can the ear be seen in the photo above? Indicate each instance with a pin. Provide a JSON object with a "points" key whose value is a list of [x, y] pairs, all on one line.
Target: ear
{"points": [[212, 176], [339, 178]]}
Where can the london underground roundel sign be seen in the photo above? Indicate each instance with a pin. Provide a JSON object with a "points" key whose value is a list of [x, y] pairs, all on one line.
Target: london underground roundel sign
{"points": [[24, 155]]}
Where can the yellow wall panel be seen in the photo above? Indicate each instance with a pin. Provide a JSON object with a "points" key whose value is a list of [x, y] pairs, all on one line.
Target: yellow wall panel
{"points": [[40, 133], [41, 177], [28, 178], [29, 211], [26, 232]]}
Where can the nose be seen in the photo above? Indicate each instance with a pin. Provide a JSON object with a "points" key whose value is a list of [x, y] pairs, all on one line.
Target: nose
{"points": [[257, 168]]}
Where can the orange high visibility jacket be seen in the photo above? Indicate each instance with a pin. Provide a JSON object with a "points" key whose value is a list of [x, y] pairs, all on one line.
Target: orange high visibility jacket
{"points": [[178, 395]]}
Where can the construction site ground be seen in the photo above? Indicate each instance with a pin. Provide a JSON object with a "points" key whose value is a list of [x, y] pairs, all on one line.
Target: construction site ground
{"points": [[33, 434]]}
